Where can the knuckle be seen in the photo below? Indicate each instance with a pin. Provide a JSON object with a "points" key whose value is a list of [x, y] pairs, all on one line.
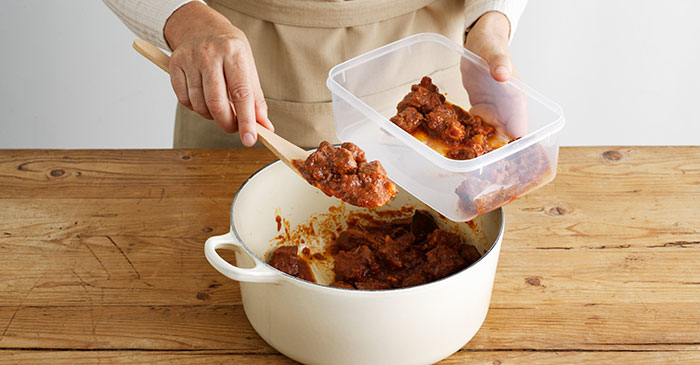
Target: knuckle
{"points": [[235, 44], [184, 101], [200, 108], [175, 63], [217, 106], [179, 85], [180, 59], [240, 93], [176, 57]]}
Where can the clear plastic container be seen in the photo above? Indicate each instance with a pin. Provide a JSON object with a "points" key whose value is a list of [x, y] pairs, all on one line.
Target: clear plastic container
{"points": [[367, 88]]}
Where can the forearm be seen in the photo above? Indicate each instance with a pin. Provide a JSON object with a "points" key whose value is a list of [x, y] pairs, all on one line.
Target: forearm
{"points": [[147, 18]]}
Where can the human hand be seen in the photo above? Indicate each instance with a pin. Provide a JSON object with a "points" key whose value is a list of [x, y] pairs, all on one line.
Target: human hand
{"points": [[496, 102], [211, 61]]}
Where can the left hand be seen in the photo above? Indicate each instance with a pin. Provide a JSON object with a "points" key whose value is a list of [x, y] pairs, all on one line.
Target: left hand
{"points": [[488, 38], [497, 103]]}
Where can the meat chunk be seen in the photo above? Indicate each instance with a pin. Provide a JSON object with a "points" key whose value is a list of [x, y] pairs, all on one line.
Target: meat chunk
{"points": [[461, 153], [423, 96], [285, 259], [392, 252], [442, 237], [348, 240], [357, 153], [469, 253], [413, 280], [343, 162], [344, 173], [441, 117], [454, 132], [409, 119], [355, 265], [442, 261], [370, 187]]}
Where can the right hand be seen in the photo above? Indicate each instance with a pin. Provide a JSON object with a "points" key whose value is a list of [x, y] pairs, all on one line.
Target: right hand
{"points": [[211, 60], [491, 98]]}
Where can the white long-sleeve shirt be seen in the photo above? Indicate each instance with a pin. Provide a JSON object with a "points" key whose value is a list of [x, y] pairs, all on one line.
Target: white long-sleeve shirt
{"points": [[147, 18]]}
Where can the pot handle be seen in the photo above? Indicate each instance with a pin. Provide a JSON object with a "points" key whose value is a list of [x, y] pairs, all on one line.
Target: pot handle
{"points": [[256, 274]]}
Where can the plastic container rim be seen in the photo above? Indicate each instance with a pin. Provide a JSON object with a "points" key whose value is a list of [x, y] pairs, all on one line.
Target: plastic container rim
{"points": [[438, 159]]}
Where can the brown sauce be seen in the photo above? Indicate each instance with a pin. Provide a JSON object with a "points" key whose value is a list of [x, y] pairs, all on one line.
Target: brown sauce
{"points": [[373, 255], [343, 172]]}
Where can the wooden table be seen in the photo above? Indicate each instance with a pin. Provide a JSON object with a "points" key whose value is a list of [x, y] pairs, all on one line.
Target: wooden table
{"points": [[101, 259]]}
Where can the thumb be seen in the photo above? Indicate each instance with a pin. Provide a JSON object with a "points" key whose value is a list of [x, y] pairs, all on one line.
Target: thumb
{"points": [[500, 63], [489, 39]]}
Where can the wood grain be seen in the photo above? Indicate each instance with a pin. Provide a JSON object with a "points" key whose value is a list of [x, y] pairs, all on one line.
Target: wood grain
{"points": [[101, 260], [127, 174], [140, 357], [462, 357]]}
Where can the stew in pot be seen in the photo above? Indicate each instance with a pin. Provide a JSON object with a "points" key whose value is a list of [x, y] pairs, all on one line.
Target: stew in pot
{"points": [[386, 255]]}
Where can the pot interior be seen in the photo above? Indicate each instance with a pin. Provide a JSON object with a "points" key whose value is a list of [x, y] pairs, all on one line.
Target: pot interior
{"points": [[277, 191]]}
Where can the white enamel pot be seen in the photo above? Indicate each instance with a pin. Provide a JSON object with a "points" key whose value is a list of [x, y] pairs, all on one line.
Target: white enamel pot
{"points": [[316, 324]]}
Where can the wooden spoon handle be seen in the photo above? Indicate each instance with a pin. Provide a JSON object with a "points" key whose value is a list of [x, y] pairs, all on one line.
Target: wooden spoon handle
{"points": [[153, 53], [283, 149]]}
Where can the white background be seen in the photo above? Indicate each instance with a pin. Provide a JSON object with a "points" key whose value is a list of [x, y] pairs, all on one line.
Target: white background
{"points": [[626, 72]]}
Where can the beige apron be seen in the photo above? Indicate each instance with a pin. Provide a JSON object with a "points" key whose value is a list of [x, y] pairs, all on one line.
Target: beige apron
{"points": [[296, 42]]}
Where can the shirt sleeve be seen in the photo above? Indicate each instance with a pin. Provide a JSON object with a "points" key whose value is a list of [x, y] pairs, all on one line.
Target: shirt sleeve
{"points": [[146, 18], [512, 9]]}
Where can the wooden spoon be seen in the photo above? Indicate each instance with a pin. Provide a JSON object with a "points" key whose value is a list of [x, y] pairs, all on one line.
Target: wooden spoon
{"points": [[283, 149]]}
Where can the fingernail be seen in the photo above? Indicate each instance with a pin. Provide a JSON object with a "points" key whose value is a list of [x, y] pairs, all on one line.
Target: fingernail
{"points": [[502, 70], [248, 139]]}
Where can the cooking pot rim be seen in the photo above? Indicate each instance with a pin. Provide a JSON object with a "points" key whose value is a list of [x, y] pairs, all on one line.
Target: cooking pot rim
{"points": [[255, 257]]}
